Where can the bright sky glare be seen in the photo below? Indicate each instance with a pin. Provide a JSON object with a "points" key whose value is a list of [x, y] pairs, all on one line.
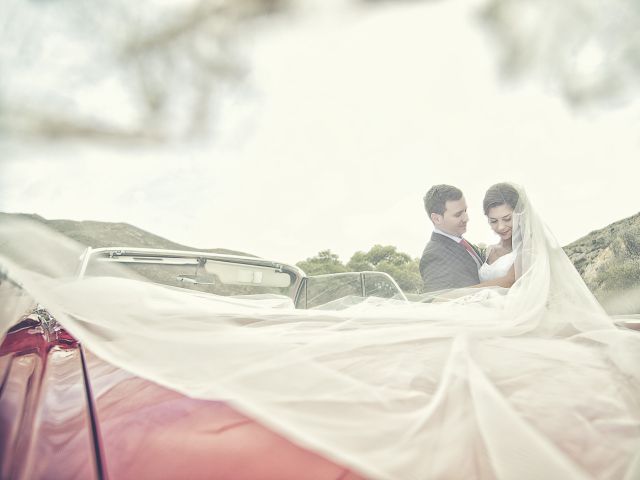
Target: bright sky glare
{"points": [[351, 116]]}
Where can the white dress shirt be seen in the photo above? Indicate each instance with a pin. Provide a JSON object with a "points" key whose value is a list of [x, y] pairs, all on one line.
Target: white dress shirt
{"points": [[452, 237]]}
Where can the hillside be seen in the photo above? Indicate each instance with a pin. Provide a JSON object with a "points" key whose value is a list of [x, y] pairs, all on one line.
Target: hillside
{"points": [[609, 262], [109, 234]]}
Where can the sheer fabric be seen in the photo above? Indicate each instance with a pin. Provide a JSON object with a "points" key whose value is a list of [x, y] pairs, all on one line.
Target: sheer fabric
{"points": [[528, 383]]}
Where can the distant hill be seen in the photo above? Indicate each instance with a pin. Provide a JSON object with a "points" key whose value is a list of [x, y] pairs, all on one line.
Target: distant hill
{"points": [[109, 234], [609, 262]]}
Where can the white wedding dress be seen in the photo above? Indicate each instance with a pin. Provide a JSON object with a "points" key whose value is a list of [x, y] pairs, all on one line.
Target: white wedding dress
{"points": [[533, 382], [497, 269]]}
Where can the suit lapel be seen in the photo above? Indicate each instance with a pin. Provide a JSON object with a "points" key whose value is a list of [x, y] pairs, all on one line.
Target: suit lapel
{"points": [[456, 249]]}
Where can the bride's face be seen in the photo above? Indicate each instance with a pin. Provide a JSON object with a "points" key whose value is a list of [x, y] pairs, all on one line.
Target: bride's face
{"points": [[501, 220]]}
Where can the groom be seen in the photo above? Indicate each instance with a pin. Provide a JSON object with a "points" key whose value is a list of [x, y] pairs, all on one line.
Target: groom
{"points": [[448, 261]]}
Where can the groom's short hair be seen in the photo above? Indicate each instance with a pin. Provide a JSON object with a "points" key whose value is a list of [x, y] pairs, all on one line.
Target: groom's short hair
{"points": [[435, 200]]}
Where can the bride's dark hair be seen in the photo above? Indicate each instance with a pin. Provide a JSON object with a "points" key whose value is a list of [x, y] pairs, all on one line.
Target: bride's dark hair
{"points": [[500, 194]]}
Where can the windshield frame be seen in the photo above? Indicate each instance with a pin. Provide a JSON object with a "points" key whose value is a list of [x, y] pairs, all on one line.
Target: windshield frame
{"points": [[189, 257]]}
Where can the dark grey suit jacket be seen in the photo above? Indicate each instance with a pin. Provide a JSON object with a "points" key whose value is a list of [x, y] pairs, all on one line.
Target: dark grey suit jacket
{"points": [[447, 264]]}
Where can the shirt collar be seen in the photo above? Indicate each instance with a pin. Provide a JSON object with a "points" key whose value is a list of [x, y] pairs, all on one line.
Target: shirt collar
{"points": [[452, 237]]}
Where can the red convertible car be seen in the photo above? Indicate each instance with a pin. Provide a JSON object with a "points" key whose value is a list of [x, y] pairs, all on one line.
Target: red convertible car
{"points": [[65, 413]]}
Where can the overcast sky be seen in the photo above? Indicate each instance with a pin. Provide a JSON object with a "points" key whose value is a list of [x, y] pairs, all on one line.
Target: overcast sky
{"points": [[347, 118]]}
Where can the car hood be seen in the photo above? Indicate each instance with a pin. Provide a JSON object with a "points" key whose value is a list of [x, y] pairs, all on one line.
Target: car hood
{"points": [[148, 431]]}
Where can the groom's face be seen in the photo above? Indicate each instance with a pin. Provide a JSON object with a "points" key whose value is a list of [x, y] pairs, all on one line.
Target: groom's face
{"points": [[455, 218]]}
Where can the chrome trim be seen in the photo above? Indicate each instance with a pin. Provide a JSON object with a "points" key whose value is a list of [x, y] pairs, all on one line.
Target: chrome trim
{"points": [[84, 261], [156, 252]]}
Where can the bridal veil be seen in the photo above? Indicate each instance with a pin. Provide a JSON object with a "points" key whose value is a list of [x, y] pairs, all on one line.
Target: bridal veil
{"points": [[527, 383]]}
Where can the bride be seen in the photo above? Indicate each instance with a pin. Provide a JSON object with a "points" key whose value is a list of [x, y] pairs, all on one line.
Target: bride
{"points": [[499, 204], [526, 383]]}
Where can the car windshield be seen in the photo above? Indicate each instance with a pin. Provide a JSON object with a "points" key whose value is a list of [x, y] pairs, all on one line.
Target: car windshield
{"points": [[347, 288], [220, 275]]}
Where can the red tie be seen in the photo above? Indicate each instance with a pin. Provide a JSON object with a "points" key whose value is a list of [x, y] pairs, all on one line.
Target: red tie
{"points": [[470, 249]]}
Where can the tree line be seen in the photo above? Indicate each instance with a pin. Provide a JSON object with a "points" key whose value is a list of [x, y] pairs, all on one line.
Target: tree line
{"points": [[380, 258]]}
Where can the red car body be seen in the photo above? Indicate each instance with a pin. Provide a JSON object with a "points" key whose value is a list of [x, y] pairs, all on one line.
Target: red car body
{"points": [[65, 413]]}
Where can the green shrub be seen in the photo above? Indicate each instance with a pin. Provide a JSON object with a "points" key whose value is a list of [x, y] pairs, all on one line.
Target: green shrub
{"points": [[620, 274]]}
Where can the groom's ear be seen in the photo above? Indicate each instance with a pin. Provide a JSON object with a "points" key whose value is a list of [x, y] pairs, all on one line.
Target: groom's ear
{"points": [[436, 218]]}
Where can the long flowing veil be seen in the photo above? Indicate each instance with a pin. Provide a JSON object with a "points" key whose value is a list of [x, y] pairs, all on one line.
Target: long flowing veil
{"points": [[528, 383]]}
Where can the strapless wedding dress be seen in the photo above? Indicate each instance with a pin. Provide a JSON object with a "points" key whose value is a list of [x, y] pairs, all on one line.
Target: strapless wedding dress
{"points": [[497, 269]]}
